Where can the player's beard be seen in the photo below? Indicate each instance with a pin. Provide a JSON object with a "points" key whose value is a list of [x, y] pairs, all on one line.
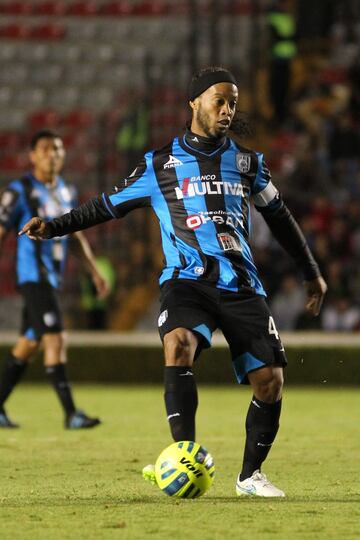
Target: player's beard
{"points": [[203, 119]]}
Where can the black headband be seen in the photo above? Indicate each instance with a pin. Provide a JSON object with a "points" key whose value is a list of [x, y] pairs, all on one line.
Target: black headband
{"points": [[198, 86]]}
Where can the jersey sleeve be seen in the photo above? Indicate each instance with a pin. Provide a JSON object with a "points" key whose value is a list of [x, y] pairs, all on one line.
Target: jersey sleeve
{"points": [[10, 207], [132, 192], [281, 222], [264, 193]]}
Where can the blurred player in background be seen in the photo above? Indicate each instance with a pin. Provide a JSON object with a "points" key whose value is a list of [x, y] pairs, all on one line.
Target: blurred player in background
{"points": [[199, 186], [39, 269]]}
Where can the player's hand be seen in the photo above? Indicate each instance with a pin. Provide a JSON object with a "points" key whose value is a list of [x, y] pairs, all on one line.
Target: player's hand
{"points": [[101, 285], [316, 290], [35, 229]]}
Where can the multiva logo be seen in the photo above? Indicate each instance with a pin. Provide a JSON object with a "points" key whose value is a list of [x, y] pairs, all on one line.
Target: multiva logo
{"points": [[208, 185]]}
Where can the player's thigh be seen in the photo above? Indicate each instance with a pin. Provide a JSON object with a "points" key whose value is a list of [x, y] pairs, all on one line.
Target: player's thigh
{"points": [[187, 315], [250, 330], [41, 312]]}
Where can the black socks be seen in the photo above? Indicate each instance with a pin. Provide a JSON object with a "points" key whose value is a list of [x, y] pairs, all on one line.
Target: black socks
{"points": [[181, 402], [13, 371], [262, 424], [57, 375]]}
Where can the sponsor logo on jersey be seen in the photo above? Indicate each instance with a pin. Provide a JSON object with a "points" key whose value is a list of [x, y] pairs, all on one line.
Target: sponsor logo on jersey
{"points": [[228, 242], [208, 185], [65, 194], [229, 218], [172, 162], [243, 162]]}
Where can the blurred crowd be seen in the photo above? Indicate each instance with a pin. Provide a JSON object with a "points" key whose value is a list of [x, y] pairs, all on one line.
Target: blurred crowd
{"points": [[314, 158]]}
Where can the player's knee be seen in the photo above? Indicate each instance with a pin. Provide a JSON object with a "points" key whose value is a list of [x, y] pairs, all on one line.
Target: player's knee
{"points": [[54, 349], [25, 349], [268, 384], [179, 346]]}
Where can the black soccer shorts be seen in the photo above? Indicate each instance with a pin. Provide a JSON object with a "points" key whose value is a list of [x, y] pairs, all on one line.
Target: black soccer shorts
{"points": [[244, 319], [41, 311]]}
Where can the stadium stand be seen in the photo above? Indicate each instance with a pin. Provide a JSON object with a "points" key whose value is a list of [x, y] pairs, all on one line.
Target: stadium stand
{"points": [[84, 66]]}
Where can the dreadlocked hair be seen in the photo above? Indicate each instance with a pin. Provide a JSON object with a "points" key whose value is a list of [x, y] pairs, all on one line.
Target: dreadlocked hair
{"points": [[241, 125]]}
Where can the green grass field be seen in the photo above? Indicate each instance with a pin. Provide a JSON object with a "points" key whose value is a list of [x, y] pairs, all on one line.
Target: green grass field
{"points": [[57, 484]]}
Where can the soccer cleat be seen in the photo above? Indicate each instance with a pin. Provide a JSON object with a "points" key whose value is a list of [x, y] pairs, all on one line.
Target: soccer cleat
{"points": [[79, 420], [258, 485], [5, 421], [148, 473]]}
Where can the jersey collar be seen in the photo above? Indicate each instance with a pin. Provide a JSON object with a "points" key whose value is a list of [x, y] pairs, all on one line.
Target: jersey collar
{"points": [[203, 146]]}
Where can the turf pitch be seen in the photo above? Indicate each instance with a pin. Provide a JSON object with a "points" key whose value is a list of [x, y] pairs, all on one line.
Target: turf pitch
{"points": [[87, 484]]}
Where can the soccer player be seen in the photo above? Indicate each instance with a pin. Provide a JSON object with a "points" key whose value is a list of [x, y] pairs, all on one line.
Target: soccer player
{"points": [[199, 186], [39, 268]]}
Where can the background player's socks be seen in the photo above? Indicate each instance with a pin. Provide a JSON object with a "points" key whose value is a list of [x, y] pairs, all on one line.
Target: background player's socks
{"points": [[181, 402], [13, 371], [262, 424], [57, 375]]}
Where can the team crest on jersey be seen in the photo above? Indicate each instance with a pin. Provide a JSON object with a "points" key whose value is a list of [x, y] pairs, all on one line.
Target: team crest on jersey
{"points": [[243, 162], [172, 162]]}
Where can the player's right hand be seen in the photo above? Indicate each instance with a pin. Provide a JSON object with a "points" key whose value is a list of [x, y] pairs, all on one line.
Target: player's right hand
{"points": [[34, 229]]}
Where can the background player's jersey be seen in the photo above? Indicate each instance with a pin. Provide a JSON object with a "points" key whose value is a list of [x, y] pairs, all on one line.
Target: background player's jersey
{"points": [[22, 200], [202, 202]]}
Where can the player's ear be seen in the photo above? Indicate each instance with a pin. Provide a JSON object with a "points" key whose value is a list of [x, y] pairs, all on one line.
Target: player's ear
{"points": [[31, 157], [193, 105]]}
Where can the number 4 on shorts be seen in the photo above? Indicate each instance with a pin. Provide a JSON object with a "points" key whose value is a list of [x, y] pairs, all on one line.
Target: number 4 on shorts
{"points": [[272, 328]]}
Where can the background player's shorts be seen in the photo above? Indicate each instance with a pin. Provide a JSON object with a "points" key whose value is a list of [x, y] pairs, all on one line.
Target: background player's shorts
{"points": [[41, 311], [244, 318]]}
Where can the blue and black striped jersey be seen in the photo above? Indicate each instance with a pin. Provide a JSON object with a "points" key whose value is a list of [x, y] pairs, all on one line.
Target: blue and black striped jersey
{"points": [[202, 202], [23, 199]]}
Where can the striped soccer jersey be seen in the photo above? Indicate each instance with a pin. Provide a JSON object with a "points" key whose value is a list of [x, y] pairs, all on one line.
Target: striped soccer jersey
{"points": [[22, 200], [202, 202]]}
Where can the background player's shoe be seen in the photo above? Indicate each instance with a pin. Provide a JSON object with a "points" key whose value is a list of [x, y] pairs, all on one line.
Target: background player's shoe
{"points": [[79, 420], [258, 485], [148, 473], [5, 421]]}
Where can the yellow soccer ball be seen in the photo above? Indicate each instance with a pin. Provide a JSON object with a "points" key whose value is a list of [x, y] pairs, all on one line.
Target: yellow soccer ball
{"points": [[184, 469]]}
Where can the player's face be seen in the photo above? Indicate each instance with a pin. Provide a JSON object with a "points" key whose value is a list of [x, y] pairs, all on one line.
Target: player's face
{"points": [[214, 110], [47, 158]]}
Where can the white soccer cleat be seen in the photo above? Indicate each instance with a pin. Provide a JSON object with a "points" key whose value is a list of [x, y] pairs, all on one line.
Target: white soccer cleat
{"points": [[258, 485]]}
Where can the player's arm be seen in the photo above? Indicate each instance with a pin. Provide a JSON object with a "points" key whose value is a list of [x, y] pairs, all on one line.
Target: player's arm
{"points": [[9, 211], [3, 233], [88, 214], [289, 235], [133, 192], [287, 232], [82, 249]]}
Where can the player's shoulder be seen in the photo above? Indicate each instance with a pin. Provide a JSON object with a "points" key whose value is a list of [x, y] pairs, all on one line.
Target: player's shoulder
{"points": [[16, 185], [164, 149], [245, 150]]}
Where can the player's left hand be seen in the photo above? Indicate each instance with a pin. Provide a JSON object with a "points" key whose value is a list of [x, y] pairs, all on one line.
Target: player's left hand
{"points": [[316, 290], [102, 286]]}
